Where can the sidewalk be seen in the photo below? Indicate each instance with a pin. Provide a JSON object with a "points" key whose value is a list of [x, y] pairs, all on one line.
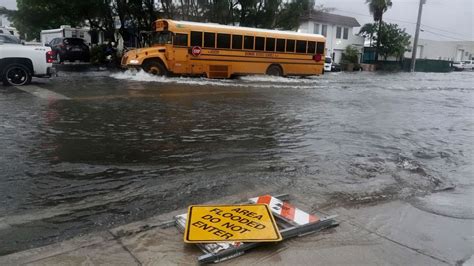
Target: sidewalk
{"points": [[393, 233]]}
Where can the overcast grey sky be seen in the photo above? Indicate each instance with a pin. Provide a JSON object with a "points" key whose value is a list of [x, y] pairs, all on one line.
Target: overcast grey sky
{"points": [[442, 19]]}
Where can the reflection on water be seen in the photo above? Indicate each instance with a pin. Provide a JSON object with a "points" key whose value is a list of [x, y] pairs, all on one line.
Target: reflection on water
{"points": [[129, 145]]}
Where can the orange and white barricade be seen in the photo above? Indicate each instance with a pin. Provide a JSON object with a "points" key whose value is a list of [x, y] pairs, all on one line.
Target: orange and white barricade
{"points": [[285, 210]]}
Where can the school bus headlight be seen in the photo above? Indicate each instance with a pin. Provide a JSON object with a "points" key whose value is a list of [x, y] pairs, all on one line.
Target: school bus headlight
{"points": [[134, 62]]}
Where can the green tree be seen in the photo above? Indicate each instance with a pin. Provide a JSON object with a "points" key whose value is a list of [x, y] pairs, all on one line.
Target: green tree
{"points": [[377, 8], [369, 31], [36, 15], [393, 41], [350, 55]]}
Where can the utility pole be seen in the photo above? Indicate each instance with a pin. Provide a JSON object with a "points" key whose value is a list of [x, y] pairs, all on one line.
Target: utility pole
{"points": [[417, 34]]}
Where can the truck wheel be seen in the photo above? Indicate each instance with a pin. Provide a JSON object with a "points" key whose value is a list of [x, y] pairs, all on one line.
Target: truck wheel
{"points": [[155, 68], [274, 70], [16, 75]]}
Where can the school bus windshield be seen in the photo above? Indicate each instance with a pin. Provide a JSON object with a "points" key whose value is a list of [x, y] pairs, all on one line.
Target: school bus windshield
{"points": [[161, 38]]}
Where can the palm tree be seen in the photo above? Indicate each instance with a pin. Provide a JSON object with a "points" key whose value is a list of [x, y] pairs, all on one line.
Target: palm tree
{"points": [[377, 8], [368, 31]]}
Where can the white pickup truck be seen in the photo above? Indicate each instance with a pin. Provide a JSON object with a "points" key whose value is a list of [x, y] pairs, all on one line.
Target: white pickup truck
{"points": [[19, 63]]}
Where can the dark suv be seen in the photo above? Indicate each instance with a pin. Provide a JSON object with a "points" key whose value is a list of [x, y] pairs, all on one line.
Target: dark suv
{"points": [[70, 49]]}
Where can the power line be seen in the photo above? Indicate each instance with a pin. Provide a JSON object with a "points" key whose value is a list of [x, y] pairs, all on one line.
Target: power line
{"points": [[446, 36], [414, 23], [365, 15], [448, 31]]}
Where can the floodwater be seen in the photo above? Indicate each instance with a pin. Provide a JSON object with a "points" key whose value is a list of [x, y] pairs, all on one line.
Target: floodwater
{"points": [[127, 146]]}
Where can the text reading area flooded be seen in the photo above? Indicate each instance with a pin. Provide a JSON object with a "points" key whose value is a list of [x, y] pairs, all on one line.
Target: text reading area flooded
{"points": [[128, 146]]}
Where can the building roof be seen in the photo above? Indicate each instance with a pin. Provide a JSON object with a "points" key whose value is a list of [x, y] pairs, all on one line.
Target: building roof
{"points": [[329, 18]]}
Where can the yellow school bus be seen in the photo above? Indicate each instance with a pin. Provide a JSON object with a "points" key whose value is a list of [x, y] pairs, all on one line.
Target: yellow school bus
{"points": [[220, 51]]}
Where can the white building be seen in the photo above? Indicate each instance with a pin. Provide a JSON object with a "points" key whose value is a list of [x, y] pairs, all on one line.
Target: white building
{"points": [[338, 30], [444, 50]]}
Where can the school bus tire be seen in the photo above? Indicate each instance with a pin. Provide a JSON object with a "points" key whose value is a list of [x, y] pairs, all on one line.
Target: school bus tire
{"points": [[155, 67], [274, 70]]}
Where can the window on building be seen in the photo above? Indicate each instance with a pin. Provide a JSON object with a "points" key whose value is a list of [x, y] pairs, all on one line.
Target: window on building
{"points": [[209, 39], [290, 46], [259, 43], [223, 40], [237, 42], [196, 38], [324, 30], [311, 47], [180, 39], [270, 45], [280, 45], [248, 42], [338, 33], [316, 28], [346, 34], [301, 46]]}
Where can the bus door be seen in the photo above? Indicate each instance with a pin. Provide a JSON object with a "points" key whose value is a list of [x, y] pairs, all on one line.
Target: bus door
{"points": [[179, 53]]}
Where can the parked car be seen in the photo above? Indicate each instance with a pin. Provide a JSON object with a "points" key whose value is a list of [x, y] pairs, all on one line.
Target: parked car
{"points": [[70, 49], [327, 64], [336, 67], [19, 63], [469, 64], [458, 66]]}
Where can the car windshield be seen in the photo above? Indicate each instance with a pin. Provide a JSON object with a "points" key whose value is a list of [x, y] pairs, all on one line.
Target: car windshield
{"points": [[73, 41], [328, 60], [9, 39], [161, 37]]}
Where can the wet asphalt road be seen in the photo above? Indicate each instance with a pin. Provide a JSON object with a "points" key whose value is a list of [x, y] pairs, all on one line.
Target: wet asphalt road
{"points": [[109, 148]]}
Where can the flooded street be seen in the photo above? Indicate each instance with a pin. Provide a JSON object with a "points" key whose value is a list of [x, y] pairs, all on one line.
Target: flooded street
{"points": [[121, 147]]}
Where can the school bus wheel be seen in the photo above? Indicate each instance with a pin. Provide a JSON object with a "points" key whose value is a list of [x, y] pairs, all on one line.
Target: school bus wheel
{"points": [[274, 70], [154, 67]]}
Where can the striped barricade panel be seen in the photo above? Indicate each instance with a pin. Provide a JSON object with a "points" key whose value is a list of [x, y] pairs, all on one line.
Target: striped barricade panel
{"points": [[285, 210]]}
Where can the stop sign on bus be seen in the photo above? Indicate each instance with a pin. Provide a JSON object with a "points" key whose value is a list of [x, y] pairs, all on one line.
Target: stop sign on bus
{"points": [[196, 51]]}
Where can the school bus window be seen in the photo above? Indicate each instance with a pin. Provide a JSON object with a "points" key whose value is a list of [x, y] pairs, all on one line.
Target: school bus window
{"points": [[196, 38], [290, 46], [259, 43], [311, 47], [223, 40], [270, 45], [248, 42], [209, 40], [280, 45], [320, 48], [237, 42], [180, 39], [301, 46], [161, 37]]}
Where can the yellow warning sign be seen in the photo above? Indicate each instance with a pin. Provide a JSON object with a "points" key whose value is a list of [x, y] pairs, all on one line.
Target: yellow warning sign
{"points": [[227, 223]]}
